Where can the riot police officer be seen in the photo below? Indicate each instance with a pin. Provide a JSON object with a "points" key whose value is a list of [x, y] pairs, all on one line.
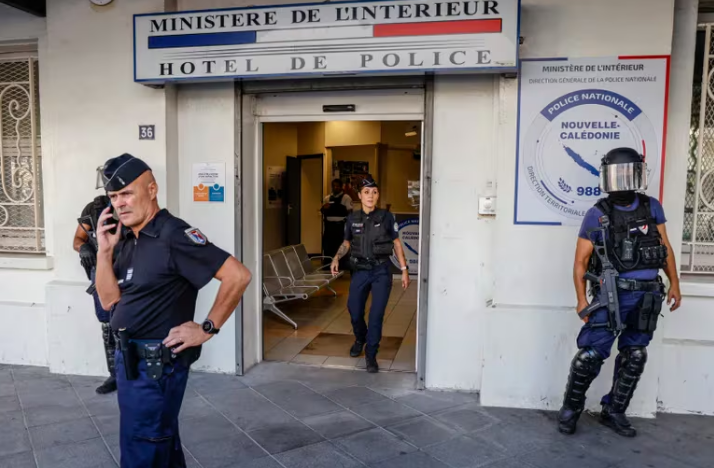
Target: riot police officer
{"points": [[372, 235], [149, 276], [85, 243], [335, 210], [623, 232]]}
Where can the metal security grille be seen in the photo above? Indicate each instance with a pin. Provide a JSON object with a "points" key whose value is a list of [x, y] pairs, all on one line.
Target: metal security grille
{"points": [[21, 210]]}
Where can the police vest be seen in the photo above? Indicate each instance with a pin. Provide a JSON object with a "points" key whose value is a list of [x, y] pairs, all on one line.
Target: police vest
{"points": [[336, 208], [371, 242], [632, 241]]}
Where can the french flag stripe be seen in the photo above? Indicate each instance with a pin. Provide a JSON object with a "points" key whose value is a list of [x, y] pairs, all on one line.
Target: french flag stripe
{"points": [[202, 40], [316, 34], [439, 28]]}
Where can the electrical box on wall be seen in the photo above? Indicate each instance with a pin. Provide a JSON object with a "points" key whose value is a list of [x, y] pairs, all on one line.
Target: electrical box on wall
{"points": [[487, 206]]}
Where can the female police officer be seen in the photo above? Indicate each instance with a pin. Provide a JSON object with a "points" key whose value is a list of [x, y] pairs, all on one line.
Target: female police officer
{"points": [[371, 233]]}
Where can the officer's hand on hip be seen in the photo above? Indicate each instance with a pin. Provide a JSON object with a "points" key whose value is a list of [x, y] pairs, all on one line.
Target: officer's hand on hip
{"points": [[106, 240], [674, 298], [405, 279], [186, 335], [335, 267]]}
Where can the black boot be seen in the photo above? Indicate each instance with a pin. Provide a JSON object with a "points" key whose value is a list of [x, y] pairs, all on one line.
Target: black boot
{"points": [[630, 366], [618, 422], [110, 346], [356, 348], [372, 366], [583, 370]]}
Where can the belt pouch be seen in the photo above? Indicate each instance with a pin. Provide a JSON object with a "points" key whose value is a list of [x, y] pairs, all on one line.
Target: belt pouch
{"points": [[648, 313], [190, 355]]}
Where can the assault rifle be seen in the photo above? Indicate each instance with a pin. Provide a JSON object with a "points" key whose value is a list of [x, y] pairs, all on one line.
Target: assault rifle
{"points": [[606, 283]]}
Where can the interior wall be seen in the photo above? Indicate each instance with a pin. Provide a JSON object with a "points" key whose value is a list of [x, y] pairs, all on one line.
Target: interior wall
{"points": [[398, 165], [350, 133], [279, 141], [310, 204]]}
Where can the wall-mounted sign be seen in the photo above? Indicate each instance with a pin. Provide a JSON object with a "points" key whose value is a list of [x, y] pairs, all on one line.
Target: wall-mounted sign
{"points": [[409, 236], [572, 112], [147, 132], [209, 182], [326, 38]]}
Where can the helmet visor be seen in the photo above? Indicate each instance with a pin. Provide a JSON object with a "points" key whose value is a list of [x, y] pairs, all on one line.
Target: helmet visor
{"points": [[623, 177], [101, 178]]}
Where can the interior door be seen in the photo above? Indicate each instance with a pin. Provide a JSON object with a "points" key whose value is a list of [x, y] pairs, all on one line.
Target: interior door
{"points": [[293, 193]]}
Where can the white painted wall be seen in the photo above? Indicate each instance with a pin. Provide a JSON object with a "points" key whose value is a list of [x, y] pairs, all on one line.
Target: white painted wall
{"points": [[460, 260], [206, 134]]}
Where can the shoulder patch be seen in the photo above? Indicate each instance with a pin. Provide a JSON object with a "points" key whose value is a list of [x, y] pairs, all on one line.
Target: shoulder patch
{"points": [[396, 227], [196, 236]]}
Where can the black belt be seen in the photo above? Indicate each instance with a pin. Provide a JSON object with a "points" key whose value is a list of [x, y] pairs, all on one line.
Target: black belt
{"points": [[637, 285]]}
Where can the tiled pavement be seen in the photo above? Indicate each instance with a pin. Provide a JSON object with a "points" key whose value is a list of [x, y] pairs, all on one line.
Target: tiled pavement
{"points": [[284, 415]]}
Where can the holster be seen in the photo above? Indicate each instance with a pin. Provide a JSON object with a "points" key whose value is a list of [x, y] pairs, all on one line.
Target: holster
{"points": [[130, 355], [644, 319]]}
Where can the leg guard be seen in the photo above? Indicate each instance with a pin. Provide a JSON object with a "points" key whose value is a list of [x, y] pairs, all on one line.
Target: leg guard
{"points": [[583, 369], [632, 365], [110, 346]]}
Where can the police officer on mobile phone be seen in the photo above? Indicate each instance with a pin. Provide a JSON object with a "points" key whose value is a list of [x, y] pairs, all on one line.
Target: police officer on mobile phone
{"points": [[160, 263], [372, 235]]}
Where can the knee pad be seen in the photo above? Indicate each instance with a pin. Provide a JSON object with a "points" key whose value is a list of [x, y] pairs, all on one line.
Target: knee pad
{"points": [[587, 361], [635, 358]]}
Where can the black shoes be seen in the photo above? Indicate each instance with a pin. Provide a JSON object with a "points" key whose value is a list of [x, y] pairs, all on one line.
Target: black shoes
{"points": [[372, 366], [567, 420], [618, 422], [109, 386], [356, 349]]}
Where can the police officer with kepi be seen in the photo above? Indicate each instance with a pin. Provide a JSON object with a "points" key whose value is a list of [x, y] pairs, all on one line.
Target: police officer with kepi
{"points": [[85, 243], [621, 247], [151, 285], [372, 234]]}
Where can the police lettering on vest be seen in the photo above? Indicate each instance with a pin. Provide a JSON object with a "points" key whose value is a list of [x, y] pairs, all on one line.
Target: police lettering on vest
{"points": [[633, 241], [372, 236]]}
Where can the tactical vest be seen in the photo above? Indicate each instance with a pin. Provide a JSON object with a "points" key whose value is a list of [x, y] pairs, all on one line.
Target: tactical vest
{"points": [[371, 242], [94, 210], [336, 209], [633, 241]]}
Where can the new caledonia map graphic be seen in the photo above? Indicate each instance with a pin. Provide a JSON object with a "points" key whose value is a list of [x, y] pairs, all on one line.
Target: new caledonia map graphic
{"points": [[572, 112]]}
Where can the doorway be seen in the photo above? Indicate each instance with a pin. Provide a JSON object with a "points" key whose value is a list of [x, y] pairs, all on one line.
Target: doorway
{"points": [[307, 321]]}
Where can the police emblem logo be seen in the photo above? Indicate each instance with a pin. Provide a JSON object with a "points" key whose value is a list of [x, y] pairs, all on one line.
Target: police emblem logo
{"points": [[196, 236], [396, 227], [644, 229]]}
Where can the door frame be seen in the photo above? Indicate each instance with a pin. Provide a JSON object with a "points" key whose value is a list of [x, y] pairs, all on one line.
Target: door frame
{"points": [[408, 104]]}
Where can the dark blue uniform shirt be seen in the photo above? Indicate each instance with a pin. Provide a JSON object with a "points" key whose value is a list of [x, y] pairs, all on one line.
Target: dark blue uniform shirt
{"points": [[159, 275]]}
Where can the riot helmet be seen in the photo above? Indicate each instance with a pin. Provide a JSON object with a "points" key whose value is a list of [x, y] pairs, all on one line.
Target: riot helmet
{"points": [[623, 170]]}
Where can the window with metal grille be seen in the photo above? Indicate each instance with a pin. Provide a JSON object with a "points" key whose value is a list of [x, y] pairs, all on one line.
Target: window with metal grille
{"points": [[21, 207]]}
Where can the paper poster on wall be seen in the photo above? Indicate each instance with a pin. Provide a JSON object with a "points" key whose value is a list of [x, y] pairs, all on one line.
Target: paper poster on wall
{"points": [[209, 182], [275, 183], [571, 113]]}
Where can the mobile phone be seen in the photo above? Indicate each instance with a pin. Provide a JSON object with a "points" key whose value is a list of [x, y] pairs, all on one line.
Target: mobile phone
{"points": [[113, 220]]}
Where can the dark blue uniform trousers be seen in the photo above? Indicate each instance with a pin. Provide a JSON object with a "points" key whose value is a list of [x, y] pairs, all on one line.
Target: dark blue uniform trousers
{"points": [[379, 282], [149, 427], [601, 339]]}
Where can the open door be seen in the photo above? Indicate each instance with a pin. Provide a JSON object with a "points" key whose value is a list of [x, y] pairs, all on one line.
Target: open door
{"points": [[293, 194]]}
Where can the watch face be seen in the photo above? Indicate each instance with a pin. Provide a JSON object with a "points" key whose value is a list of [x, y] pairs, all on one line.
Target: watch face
{"points": [[101, 2], [207, 326]]}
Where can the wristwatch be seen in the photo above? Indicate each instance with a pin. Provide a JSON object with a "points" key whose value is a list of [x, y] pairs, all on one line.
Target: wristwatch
{"points": [[403, 268], [209, 327]]}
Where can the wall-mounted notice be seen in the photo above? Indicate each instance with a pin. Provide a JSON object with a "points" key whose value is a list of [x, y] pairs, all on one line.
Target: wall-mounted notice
{"points": [[275, 184], [572, 112], [209, 182]]}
